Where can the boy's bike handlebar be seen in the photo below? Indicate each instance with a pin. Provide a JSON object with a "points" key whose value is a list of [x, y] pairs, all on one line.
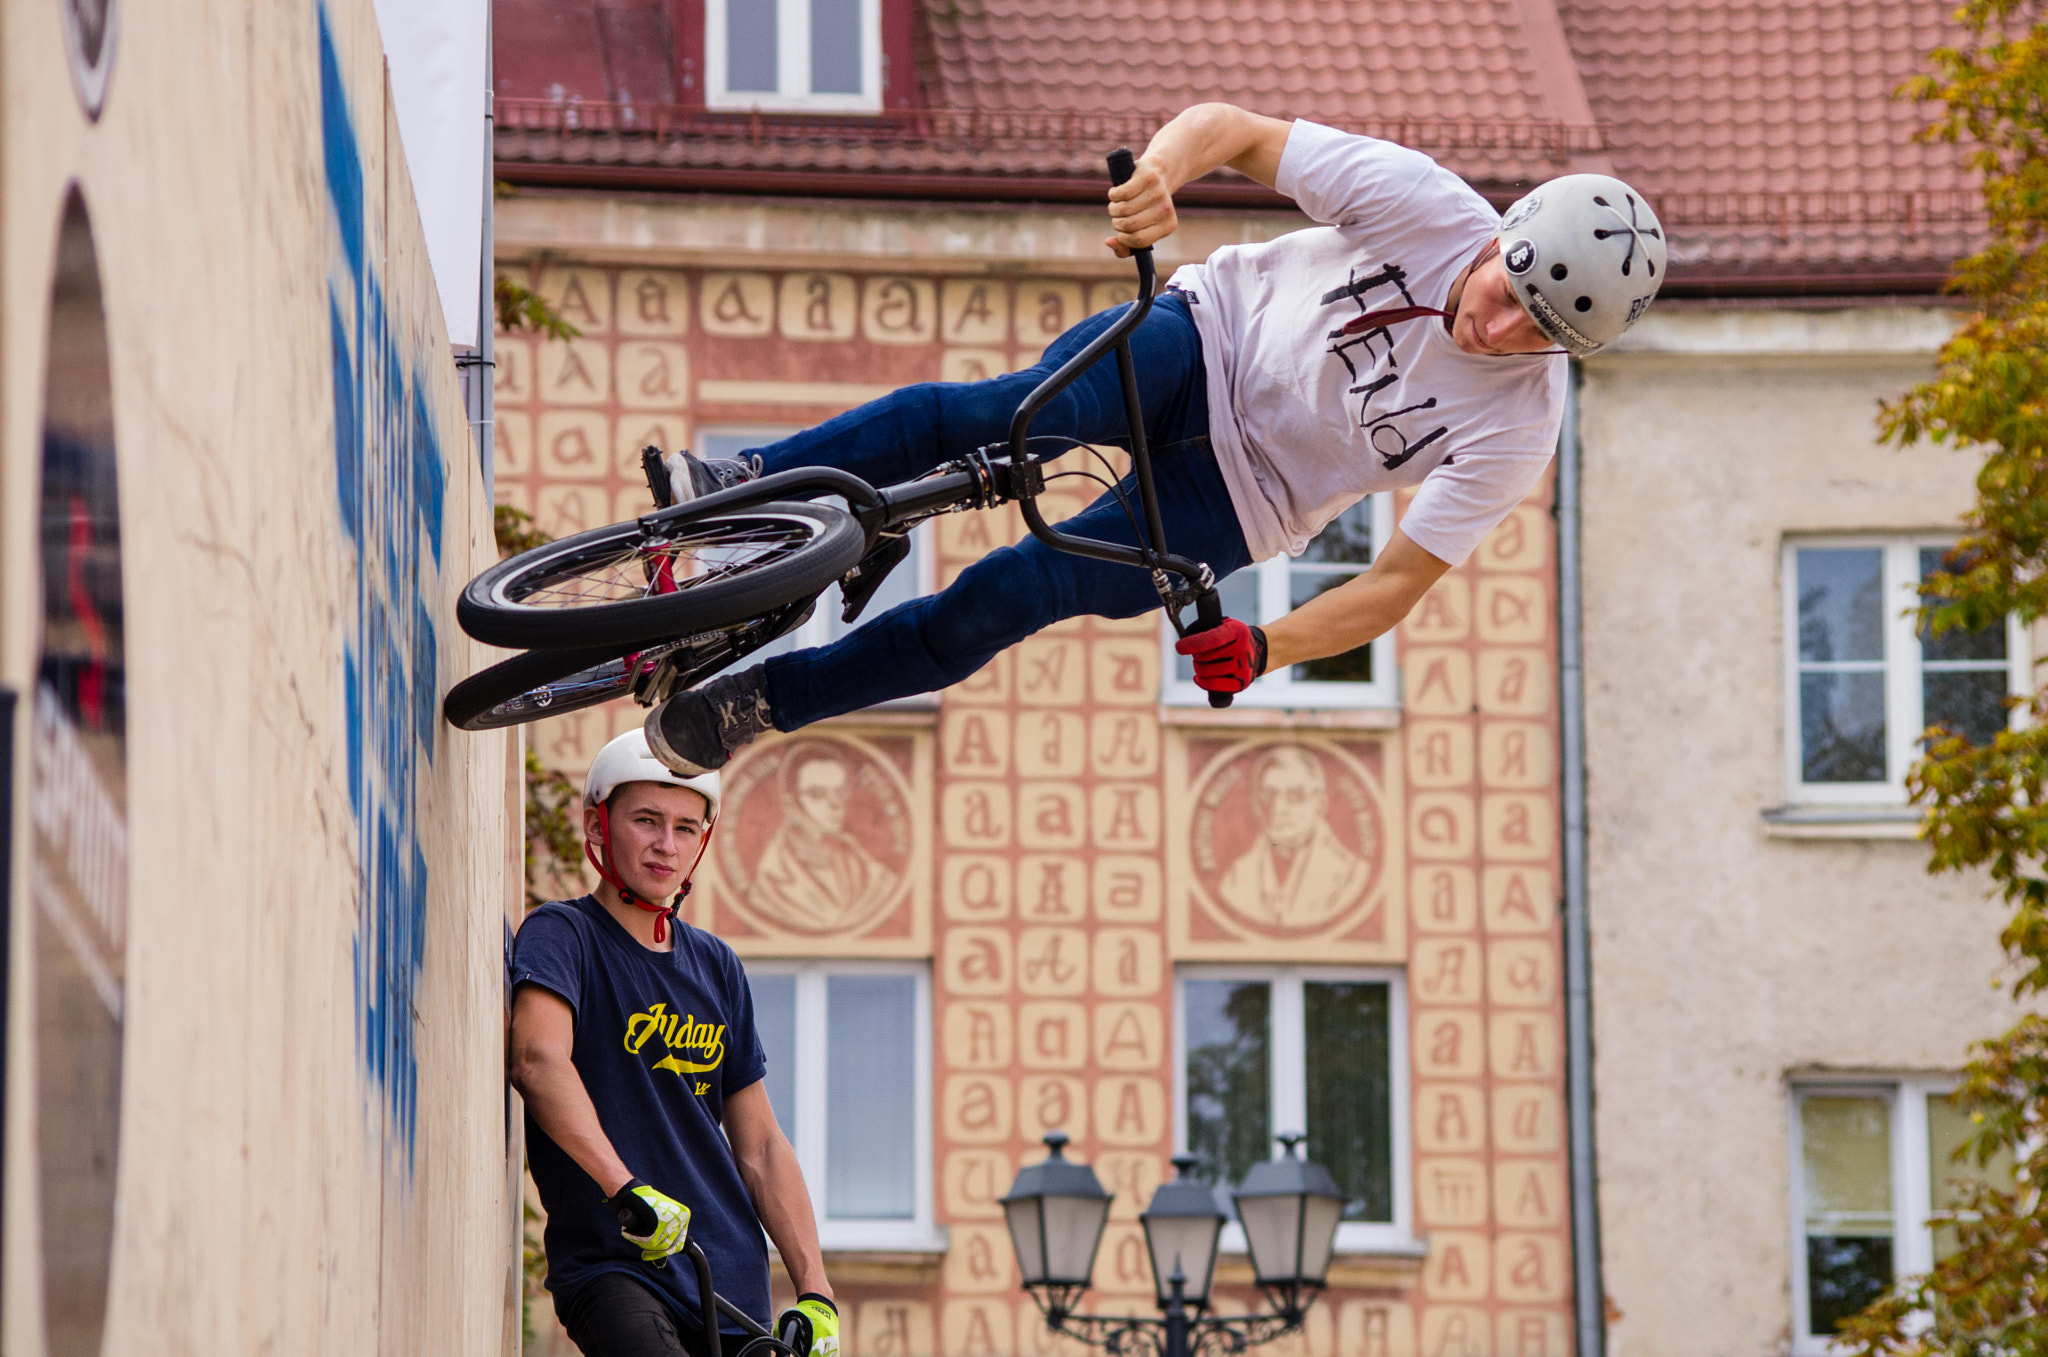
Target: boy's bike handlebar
{"points": [[710, 1305]]}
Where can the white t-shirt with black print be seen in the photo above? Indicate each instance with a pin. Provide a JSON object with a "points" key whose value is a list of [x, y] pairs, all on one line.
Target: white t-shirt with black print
{"points": [[1304, 420]]}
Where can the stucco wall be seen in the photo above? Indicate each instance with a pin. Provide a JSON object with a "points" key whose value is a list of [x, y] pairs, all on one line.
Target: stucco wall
{"points": [[311, 1143], [1726, 958]]}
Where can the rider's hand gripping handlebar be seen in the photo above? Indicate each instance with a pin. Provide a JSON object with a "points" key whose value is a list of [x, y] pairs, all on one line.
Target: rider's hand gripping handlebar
{"points": [[1208, 614], [1122, 165]]}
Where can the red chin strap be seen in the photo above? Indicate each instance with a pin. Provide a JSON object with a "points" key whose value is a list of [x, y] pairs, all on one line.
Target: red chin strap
{"points": [[602, 866], [1394, 315]]}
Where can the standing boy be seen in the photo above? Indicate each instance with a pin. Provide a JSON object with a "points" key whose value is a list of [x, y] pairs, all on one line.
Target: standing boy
{"points": [[647, 1121]]}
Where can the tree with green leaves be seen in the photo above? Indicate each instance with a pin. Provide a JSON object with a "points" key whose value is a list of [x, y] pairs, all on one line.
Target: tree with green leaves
{"points": [[1987, 805]]}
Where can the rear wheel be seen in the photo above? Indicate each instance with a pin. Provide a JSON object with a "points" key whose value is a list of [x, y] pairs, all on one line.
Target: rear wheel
{"points": [[543, 683], [620, 586], [531, 686]]}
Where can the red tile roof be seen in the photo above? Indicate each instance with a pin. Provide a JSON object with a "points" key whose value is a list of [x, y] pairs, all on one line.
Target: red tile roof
{"points": [[1014, 89], [1763, 129], [1766, 131]]}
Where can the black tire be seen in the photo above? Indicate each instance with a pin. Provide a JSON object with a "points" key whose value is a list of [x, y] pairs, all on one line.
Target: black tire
{"points": [[589, 591], [538, 684]]}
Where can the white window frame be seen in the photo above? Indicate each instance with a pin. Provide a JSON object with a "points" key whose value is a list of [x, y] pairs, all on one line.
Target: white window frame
{"points": [[1287, 1096], [1281, 688], [1904, 697], [920, 1233], [793, 63], [1912, 1183]]}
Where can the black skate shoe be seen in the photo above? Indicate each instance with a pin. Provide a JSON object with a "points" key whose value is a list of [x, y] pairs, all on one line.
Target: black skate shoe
{"points": [[698, 731]]}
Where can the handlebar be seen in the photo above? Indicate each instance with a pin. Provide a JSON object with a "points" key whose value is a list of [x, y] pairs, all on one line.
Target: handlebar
{"points": [[1208, 607], [707, 1299], [1122, 165], [1208, 614], [710, 1305]]}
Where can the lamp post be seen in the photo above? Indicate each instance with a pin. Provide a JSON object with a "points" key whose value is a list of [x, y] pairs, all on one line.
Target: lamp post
{"points": [[1056, 1210], [1290, 1208]]}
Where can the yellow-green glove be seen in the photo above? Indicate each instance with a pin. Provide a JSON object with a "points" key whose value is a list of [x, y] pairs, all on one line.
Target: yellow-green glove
{"points": [[658, 1223], [816, 1321]]}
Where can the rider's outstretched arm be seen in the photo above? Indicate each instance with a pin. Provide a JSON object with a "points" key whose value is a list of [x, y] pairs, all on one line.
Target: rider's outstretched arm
{"points": [[1198, 140], [1358, 610]]}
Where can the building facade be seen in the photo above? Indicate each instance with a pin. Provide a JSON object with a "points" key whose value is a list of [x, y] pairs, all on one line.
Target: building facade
{"points": [[1782, 991], [1066, 894]]}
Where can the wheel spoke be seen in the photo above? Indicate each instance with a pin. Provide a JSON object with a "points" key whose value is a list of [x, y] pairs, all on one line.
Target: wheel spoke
{"points": [[665, 566]]}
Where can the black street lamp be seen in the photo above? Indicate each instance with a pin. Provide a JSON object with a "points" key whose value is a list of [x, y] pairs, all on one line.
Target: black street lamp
{"points": [[1290, 1209], [1182, 1226], [1057, 1210]]}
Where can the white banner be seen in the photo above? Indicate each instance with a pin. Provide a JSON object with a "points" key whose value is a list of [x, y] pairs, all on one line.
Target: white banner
{"points": [[435, 50]]}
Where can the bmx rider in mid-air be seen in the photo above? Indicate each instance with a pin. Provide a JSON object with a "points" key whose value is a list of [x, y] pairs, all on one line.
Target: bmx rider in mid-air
{"points": [[1409, 340]]}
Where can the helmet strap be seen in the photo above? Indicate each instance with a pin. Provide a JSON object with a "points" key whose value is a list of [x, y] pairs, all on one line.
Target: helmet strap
{"points": [[1394, 315], [601, 863]]}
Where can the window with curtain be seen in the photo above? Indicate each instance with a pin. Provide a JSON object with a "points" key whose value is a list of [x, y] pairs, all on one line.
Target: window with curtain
{"points": [[1273, 1050], [849, 1053], [1873, 1161], [794, 54], [1864, 681]]}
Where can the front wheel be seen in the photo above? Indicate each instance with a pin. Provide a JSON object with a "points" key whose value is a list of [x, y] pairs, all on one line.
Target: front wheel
{"points": [[619, 586]]}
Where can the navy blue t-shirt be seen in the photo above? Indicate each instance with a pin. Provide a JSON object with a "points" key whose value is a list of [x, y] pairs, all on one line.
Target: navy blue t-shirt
{"points": [[662, 1040]]}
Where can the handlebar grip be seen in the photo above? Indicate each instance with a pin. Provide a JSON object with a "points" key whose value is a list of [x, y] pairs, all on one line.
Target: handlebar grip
{"points": [[1208, 614], [1122, 165]]}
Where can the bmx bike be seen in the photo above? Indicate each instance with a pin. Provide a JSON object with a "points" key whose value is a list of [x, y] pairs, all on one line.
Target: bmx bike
{"points": [[650, 607]]}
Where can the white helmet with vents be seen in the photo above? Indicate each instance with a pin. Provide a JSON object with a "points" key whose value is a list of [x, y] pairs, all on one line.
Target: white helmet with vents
{"points": [[1585, 255], [628, 759]]}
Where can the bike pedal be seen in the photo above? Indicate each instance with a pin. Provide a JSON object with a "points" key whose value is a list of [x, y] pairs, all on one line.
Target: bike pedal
{"points": [[857, 587], [657, 477]]}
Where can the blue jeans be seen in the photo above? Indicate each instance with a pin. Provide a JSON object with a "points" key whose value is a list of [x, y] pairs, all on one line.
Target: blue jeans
{"points": [[936, 641]]}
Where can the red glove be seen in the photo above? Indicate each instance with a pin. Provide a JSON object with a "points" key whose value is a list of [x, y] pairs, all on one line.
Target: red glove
{"points": [[1227, 657]]}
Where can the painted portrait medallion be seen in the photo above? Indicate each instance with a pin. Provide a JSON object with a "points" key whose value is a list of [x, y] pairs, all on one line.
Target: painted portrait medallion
{"points": [[817, 838]]}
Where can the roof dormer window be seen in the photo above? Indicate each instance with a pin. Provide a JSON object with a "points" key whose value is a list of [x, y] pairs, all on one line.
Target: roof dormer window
{"points": [[794, 55]]}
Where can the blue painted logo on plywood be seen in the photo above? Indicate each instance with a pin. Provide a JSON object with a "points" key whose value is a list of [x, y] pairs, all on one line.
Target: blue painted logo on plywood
{"points": [[389, 479]]}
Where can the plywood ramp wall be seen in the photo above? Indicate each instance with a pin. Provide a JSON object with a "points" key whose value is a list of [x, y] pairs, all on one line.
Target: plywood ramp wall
{"points": [[311, 1121]]}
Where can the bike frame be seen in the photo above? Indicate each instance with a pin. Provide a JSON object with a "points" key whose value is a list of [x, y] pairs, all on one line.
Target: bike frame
{"points": [[1003, 472]]}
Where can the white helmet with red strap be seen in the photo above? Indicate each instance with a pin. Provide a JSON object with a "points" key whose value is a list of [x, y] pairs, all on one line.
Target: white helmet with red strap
{"points": [[628, 759], [1585, 256]]}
